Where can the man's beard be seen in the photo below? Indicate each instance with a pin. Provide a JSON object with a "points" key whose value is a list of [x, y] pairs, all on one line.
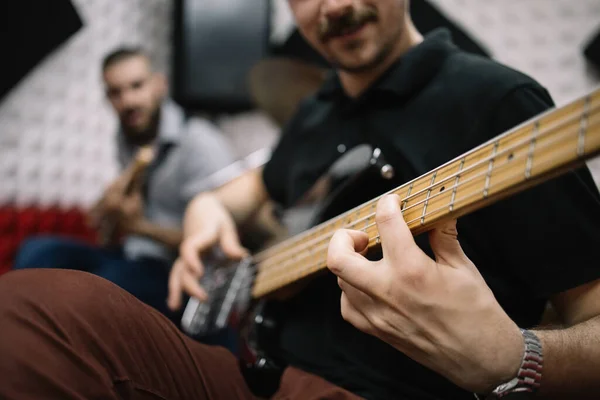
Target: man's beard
{"points": [[144, 135], [352, 20], [380, 57]]}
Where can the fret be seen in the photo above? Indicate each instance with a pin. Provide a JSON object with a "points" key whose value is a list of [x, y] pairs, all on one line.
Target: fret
{"points": [[460, 168], [488, 175], [407, 196], [338, 224], [583, 122], [427, 198], [529, 164]]}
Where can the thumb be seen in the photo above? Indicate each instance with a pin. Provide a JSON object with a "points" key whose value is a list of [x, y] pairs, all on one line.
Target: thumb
{"points": [[446, 247], [230, 243], [346, 260]]}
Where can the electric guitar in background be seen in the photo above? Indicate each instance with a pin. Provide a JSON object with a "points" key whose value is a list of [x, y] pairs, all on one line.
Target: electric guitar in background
{"points": [[531, 153], [133, 177]]}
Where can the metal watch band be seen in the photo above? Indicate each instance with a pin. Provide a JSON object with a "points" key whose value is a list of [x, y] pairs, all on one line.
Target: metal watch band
{"points": [[529, 377]]}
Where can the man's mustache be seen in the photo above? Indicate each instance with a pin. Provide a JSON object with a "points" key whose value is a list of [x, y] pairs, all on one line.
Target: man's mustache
{"points": [[348, 22]]}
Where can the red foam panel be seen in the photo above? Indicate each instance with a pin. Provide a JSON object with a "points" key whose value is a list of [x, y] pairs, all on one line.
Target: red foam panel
{"points": [[18, 224]]}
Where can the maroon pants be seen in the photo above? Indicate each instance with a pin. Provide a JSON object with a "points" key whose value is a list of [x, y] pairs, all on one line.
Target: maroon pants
{"points": [[71, 335]]}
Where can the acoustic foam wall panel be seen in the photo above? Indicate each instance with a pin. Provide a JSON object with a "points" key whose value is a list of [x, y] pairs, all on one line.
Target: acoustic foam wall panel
{"points": [[32, 29]]}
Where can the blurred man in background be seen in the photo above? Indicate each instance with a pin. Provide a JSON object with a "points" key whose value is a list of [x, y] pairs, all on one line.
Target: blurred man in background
{"points": [[165, 161]]}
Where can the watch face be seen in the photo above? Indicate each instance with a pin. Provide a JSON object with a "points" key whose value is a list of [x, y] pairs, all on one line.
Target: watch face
{"points": [[506, 387]]}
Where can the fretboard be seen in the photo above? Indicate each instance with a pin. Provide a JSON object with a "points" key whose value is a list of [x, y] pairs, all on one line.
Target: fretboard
{"points": [[531, 153]]}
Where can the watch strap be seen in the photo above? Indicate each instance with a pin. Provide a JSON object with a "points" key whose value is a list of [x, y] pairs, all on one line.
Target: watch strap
{"points": [[529, 377], [530, 373]]}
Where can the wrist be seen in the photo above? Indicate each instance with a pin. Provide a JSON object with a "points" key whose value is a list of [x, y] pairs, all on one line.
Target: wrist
{"points": [[507, 365], [138, 226], [528, 375], [204, 210]]}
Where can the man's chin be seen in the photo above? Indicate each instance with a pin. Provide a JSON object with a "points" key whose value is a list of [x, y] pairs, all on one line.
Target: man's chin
{"points": [[134, 127], [362, 62], [355, 67], [137, 129], [136, 133], [141, 130]]}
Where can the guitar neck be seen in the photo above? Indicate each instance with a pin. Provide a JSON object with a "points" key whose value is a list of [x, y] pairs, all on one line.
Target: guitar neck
{"points": [[133, 174], [533, 152], [135, 170]]}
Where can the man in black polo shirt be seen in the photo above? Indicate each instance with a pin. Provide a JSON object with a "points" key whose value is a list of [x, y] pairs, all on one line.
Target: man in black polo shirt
{"points": [[422, 101]]}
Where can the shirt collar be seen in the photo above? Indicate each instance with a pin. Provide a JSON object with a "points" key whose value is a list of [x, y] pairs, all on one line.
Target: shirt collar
{"points": [[407, 75], [170, 125]]}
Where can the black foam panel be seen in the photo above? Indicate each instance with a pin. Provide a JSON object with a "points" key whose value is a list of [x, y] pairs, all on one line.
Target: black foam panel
{"points": [[591, 50], [29, 31]]}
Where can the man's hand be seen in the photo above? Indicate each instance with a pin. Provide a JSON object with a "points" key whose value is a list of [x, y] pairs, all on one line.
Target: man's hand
{"points": [[109, 203], [130, 213], [440, 313], [206, 224]]}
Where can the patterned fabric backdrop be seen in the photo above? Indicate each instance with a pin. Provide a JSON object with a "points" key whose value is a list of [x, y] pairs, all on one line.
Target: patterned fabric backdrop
{"points": [[56, 130]]}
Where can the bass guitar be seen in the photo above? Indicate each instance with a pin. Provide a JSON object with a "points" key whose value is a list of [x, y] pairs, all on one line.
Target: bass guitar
{"points": [[533, 152]]}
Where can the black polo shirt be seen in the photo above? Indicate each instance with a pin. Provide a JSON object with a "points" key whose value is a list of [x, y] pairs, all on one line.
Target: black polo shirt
{"points": [[434, 104]]}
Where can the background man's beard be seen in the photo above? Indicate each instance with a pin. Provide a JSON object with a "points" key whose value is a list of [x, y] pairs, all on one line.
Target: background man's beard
{"points": [[145, 135]]}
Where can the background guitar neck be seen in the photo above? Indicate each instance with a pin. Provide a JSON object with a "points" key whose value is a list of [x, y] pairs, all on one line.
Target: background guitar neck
{"points": [[531, 153], [137, 168], [108, 231]]}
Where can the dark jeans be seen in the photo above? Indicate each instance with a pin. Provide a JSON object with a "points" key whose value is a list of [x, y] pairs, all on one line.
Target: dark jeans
{"points": [[146, 279], [71, 335]]}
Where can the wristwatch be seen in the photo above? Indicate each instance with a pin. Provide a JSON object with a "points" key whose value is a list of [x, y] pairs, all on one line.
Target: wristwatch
{"points": [[529, 377]]}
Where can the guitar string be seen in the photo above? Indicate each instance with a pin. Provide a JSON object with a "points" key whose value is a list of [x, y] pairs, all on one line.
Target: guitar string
{"points": [[271, 269], [377, 236], [264, 255], [291, 242], [287, 244], [270, 284], [283, 254]]}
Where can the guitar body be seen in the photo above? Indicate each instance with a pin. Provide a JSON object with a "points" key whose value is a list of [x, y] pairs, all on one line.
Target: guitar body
{"points": [[356, 177], [261, 365], [259, 350]]}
